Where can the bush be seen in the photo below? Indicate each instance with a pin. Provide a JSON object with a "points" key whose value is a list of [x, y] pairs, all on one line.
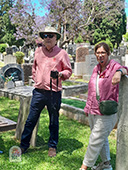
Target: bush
{"points": [[19, 57], [3, 47]]}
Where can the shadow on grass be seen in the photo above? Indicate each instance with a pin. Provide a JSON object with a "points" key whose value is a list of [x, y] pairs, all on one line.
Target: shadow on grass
{"points": [[69, 145]]}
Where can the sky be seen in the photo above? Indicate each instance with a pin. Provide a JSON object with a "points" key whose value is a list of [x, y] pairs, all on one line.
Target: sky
{"points": [[42, 11], [126, 9]]}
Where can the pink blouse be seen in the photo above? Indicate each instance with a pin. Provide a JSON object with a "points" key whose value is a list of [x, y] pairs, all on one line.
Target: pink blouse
{"points": [[107, 91]]}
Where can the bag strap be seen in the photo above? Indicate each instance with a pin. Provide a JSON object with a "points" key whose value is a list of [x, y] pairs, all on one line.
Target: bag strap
{"points": [[51, 84], [97, 88]]}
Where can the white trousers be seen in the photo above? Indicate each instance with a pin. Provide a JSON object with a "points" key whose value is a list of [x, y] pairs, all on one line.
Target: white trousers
{"points": [[101, 126]]}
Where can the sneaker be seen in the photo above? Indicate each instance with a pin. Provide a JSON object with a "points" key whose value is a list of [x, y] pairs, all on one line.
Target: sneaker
{"points": [[102, 166]]}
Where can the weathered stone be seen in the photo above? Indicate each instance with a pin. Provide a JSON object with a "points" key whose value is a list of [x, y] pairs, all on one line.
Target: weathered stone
{"points": [[27, 69], [22, 117], [6, 124], [122, 130], [74, 90], [81, 52], [23, 94], [74, 113], [90, 63], [9, 59]]}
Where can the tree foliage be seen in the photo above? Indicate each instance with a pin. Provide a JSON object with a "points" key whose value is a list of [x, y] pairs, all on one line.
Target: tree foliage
{"points": [[108, 28], [70, 17], [27, 23], [6, 28]]}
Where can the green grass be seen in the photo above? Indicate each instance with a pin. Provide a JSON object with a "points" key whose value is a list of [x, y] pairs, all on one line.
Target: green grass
{"points": [[75, 103], [73, 141], [68, 83]]}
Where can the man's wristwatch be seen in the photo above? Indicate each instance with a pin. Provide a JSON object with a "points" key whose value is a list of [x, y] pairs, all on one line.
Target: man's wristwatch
{"points": [[120, 71], [60, 74]]}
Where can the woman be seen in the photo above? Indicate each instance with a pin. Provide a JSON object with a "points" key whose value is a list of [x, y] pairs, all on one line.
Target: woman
{"points": [[108, 74]]}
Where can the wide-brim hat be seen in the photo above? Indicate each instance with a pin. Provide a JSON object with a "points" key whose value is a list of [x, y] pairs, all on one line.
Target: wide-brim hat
{"points": [[49, 30]]}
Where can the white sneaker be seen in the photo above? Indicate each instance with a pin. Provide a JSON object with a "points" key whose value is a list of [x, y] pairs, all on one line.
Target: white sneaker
{"points": [[102, 166]]}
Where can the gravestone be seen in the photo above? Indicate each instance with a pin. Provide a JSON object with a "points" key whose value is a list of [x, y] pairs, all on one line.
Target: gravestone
{"points": [[72, 49], [27, 69], [15, 48], [24, 49], [122, 50], [9, 58], [9, 50], [126, 60], [6, 124], [90, 63], [79, 67], [122, 129], [15, 71]]}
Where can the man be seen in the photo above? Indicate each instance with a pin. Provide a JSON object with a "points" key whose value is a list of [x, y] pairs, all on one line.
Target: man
{"points": [[51, 66]]}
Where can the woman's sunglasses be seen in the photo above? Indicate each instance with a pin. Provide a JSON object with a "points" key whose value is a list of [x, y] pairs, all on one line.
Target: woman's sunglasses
{"points": [[47, 35]]}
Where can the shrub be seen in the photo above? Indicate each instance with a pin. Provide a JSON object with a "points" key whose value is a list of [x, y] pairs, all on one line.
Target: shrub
{"points": [[3, 47], [19, 57]]}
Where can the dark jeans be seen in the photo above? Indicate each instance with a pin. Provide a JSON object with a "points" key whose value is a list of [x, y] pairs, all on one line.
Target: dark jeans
{"points": [[40, 99]]}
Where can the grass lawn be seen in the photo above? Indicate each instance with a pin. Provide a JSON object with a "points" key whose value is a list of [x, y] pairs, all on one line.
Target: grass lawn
{"points": [[75, 103], [73, 141], [68, 83]]}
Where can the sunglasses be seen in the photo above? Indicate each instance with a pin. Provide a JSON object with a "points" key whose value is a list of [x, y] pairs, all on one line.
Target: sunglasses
{"points": [[47, 35]]}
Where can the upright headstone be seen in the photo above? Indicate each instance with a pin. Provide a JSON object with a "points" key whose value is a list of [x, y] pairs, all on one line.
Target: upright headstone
{"points": [[9, 58], [27, 69], [15, 48], [122, 130], [13, 72], [9, 50], [79, 67], [24, 49], [126, 60], [72, 49], [90, 63]]}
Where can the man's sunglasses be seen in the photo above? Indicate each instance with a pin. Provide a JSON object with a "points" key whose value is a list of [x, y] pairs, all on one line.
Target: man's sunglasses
{"points": [[47, 35]]}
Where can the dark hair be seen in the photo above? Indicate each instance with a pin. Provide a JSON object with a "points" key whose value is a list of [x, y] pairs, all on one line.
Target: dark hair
{"points": [[104, 45]]}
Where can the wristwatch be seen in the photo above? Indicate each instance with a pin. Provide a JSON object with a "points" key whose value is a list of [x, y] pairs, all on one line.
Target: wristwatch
{"points": [[120, 71], [60, 74]]}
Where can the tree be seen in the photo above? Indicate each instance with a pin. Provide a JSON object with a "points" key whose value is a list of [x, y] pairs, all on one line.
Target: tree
{"points": [[27, 23], [70, 17], [6, 28], [111, 28], [73, 16]]}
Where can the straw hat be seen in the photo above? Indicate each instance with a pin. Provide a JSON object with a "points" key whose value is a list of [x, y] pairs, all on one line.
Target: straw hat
{"points": [[49, 30]]}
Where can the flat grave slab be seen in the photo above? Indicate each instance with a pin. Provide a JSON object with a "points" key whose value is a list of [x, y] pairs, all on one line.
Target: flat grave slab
{"points": [[6, 124]]}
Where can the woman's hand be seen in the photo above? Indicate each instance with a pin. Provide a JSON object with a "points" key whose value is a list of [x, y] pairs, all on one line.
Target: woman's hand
{"points": [[116, 78]]}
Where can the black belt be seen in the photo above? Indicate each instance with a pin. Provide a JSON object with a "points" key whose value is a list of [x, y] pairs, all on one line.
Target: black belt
{"points": [[42, 90]]}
